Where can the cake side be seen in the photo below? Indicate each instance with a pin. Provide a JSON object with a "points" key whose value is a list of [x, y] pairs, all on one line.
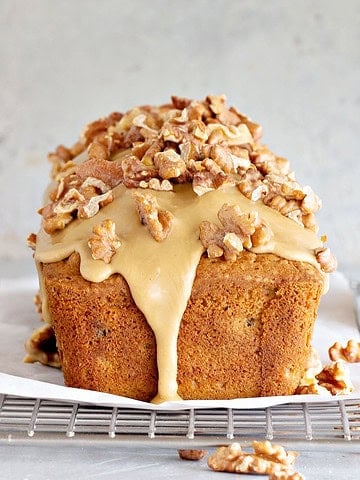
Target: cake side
{"points": [[233, 341]]}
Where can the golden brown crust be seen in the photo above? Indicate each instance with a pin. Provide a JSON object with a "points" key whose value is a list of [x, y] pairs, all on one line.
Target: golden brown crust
{"points": [[246, 330]]}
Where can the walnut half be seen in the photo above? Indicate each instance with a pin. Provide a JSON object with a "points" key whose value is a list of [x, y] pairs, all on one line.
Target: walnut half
{"points": [[267, 458], [350, 353]]}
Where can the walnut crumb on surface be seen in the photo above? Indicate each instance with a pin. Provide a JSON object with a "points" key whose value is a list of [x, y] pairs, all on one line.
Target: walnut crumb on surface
{"points": [[192, 454], [266, 458]]}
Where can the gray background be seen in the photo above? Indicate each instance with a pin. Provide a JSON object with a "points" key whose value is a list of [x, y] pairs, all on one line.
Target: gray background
{"points": [[293, 66]]}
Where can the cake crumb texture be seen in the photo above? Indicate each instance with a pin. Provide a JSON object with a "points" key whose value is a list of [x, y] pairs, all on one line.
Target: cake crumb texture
{"points": [[246, 330]]}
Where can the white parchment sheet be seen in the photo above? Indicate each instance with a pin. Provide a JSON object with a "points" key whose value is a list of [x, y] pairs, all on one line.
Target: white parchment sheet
{"points": [[336, 322]]}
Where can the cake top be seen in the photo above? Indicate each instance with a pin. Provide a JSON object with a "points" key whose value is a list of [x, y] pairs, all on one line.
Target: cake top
{"points": [[153, 148]]}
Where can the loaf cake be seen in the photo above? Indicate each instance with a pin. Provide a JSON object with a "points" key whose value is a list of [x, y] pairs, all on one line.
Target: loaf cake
{"points": [[178, 257]]}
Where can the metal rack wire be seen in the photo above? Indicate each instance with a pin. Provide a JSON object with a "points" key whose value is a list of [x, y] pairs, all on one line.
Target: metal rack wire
{"points": [[25, 418]]}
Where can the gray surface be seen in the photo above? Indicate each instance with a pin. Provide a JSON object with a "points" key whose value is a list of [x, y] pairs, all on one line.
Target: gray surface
{"points": [[292, 66], [120, 462]]}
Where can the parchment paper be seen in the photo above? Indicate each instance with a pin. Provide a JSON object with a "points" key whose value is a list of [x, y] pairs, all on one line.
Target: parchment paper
{"points": [[336, 322]]}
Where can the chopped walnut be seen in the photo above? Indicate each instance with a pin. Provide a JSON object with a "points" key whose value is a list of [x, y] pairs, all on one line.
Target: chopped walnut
{"points": [[311, 389], [192, 454], [157, 184], [41, 347], [332, 379], [267, 162], [266, 459], [326, 259], [62, 157], [239, 230], [90, 207], [350, 353], [31, 241], [205, 143], [104, 241], [205, 181], [251, 184], [83, 203], [69, 202], [99, 126], [169, 164], [335, 378], [109, 172], [158, 222], [135, 171], [57, 222]]}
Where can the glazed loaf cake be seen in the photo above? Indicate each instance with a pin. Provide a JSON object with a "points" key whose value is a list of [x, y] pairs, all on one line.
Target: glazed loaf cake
{"points": [[178, 257]]}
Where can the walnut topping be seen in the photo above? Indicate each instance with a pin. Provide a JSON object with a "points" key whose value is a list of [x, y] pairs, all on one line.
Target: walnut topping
{"points": [[266, 459], [239, 230], [82, 202], [192, 454], [158, 222], [98, 127], [350, 353], [205, 143], [41, 347], [326, 260], [157, 184], [169, 164], [104, 241]]}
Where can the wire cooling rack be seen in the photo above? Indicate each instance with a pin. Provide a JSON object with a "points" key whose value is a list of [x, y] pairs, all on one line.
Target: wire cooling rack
{"points": [[26, 418]]}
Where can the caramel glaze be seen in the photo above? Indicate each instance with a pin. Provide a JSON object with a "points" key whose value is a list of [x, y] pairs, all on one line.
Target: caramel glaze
{"points": [[161, 275]]}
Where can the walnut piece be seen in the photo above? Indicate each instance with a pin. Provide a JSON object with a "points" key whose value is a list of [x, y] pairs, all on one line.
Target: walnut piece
{"points": [[41, 347], [169, 164], [238, 231], [350, 353], [31, 241], [205, 143], [158, 222], [192, 454], [332, 379], [335, 378], [326, 259], [104, 241], [266, 459], [157, 184]]}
